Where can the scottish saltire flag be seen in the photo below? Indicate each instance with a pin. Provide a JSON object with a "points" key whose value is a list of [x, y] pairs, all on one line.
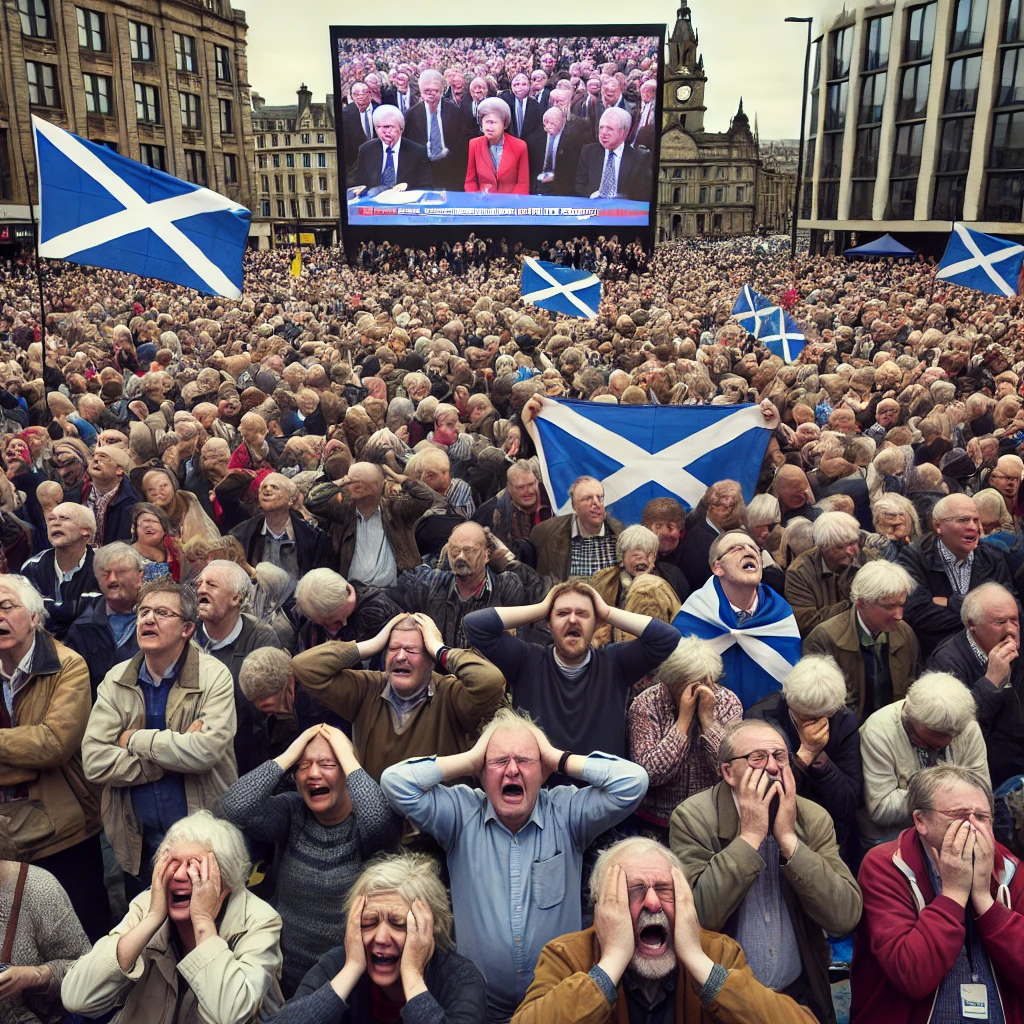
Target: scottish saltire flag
{"points": [[560, 289], [758, 655], [641, 452], [982, 262], [752, 310], [781, 336], [104, 210]]}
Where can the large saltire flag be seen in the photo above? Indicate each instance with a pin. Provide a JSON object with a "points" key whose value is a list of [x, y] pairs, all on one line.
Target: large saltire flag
{"points": [[752, 310], [781, 336], [640, 452], [103, 210], [560, 289], [982, 262]]}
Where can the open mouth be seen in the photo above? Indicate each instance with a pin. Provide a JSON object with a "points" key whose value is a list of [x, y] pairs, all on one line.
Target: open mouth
{"points": [[203, 600], [147, 632], [181, 899], [653, 940], [749, 563], [385, 961], [316, 792], [512, 792], [573, 633]]}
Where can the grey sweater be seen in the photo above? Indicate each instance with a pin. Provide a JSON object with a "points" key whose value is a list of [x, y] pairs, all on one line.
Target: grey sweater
{"points": [[317, 864]]}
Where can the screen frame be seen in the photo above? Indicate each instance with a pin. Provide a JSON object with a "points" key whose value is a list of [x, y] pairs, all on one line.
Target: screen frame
{"points": [[352, 236]]}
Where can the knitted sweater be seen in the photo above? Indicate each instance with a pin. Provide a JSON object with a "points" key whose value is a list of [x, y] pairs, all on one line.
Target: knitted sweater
{"points": [[318, 863]]}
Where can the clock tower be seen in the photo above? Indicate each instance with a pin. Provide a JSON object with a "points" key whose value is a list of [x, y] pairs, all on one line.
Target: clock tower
{"points": [[683, 100]]}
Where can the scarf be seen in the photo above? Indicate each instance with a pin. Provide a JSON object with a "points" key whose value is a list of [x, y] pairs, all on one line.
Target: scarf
{"points": [[99, 504]]}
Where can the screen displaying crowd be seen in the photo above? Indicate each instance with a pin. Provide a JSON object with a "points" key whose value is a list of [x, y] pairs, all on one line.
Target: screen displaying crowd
{"points": [[313, 709], [569, 118]]}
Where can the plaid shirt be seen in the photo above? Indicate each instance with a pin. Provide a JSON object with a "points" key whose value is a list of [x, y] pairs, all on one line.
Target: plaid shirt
{"points": [[678, 766], [959, 575], [591, 554]]}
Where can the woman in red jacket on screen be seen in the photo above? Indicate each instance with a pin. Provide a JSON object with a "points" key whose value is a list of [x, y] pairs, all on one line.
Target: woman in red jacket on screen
{"points": [[498, 162]]}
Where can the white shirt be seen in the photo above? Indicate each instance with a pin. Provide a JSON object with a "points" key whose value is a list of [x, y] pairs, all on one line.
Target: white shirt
{"points": [[394, 156], [23, 669], [618, 167], [216, 645], [366, 117], [65, 577]]}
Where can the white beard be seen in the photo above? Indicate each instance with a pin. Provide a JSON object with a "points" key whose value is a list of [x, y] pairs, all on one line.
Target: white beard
{"points": [[653, 968]]}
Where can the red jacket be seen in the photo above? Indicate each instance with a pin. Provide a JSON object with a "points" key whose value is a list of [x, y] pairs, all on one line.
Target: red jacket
{"points": [[513, 171], [908, 938]]}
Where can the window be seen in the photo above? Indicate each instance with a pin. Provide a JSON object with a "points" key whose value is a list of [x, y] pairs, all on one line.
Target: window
{"points": [[261, 160], [1010, 90], [280, 207], [906, 157], [920, 36], [273, 140], [152, 156], [962, 88], [813, 127], [307, 159], [1013, 30], [188, 104], [705, 172], [321, 159], [949, 197], [703, 194], [277, 183], [230, 169], [275, 160], [719, 195], [287, 140], [291, 182], [1007, 149], [195, 166], [835, 110], [968, 24], [140, 41], [305, 139], [872, 96], [902, 196], [828, 200], [955, 148], [739, 173], [42, 84], [264, 183], [97, 94], [147, 104], [719, 173], [226, 120], [323, 182], [865, 159], [35, 18], [310, 207], [307, 183], [842, 47], [222, 63], [1003, 195], [325, 207], [319, 138], [832, 155], [861, 196], [91, 30], [913, 101], [289, 159], [740, 194], [185, 53], [294, 206], [876, 49], [264, 207]]}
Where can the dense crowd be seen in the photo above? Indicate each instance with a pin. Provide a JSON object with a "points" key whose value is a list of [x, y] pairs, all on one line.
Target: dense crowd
{"points": [[314, 709]]}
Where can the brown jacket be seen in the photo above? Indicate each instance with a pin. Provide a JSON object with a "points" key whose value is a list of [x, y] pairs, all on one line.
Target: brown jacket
{"points": [[448, 722], [838, 637], [43, 751], [553, 541], [399, 511], [562, 992], [816, 593]]}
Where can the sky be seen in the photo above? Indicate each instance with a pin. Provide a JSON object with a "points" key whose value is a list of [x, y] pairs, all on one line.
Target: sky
{"points": [[748, 48]]}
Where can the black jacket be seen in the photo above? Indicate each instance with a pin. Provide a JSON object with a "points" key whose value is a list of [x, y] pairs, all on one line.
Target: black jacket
{"points": [[374, 610], [412, 167], [74, 597], [931, 622], [118, 522], [90, 635], [634, 174], [312, 546], [694, 549], [197, 484], [1000, 711]]}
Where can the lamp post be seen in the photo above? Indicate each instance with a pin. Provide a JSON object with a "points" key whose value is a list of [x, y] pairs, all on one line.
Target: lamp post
{"points": [[803, 129]]}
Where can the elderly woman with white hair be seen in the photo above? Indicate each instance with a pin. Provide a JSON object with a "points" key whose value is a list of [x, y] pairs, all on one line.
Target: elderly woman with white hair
{"points": [[810, 711], [398, 959], [762, 518], [676, 726], [936, 723], [195, 946]]}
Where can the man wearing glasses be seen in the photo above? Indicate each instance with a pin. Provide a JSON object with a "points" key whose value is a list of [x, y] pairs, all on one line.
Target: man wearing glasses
{"points": [[942, 936], [946, 566], [765, 867], [514, 850], [160, 734]]}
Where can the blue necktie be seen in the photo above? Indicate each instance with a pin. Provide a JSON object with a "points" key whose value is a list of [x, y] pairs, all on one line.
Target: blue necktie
{"points": [[549, 156], [434, 146], [519, 119], [608, 182], [387, 178]]}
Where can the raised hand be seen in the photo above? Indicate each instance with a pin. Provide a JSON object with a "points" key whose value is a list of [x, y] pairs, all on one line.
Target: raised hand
{"points": [[432, 639], [813, 738], [613, 925], [207, 896], [296, 747], [955, 867], [785, 817], [754, 794], [419, 943], [981, 881], [163, 870]]}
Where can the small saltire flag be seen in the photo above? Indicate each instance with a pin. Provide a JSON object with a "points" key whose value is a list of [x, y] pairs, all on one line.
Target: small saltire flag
{"points": [[982, 262], [297, 263], [781, 336], [641, 452], [752, 309], [103, 210], [560, 289], [757, 655]]}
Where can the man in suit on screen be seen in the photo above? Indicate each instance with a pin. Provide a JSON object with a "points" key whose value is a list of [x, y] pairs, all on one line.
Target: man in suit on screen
{"points": [[526, 112], [356, 124], [441, 126], [388, 159], [609, 167]]}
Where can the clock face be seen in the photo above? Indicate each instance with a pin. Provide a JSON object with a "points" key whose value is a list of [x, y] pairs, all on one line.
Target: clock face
{"points": [[683, 93]]}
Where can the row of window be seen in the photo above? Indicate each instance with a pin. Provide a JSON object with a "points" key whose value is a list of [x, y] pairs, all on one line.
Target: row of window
{"points": [[275, 140], [282, 209], [278, 181], [690, 173], [92, 35], [289, 160]]}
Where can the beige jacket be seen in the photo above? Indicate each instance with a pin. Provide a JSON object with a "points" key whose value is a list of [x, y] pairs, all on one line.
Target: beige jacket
{"points": [[227, 979], [204, 689]]}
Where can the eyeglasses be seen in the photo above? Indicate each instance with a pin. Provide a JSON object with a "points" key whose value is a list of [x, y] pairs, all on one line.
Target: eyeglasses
{"points": [[637, 892], [759, 758], [962, 520], [963, 814], [325, 765], [501, 763], [163, 614]]}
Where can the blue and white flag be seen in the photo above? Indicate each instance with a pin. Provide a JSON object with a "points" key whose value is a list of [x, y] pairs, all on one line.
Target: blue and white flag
{"points": [[104, 210], [780, 334], [758, 655], [560, 289], [982, 262], [640, 452], [752, 310]]}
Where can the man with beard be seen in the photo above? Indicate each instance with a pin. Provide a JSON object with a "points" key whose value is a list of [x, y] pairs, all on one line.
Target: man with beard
{"points": [[647, 950], [514, 511], [430, 698], [484, 574], [724, 511], [765, 867], [514, 850], [577, 693]]}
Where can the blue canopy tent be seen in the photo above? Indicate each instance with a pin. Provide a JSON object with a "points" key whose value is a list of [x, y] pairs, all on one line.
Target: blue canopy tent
{"points": [[880, 248]]}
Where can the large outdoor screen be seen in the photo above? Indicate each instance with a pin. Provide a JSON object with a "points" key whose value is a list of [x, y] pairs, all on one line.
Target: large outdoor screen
{"points": [[497, 126]]}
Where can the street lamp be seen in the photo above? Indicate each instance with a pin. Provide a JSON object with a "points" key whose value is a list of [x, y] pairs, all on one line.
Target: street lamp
{"points": [[803, 128]]}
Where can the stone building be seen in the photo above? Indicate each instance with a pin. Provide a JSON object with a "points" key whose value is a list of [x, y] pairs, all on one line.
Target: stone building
{"points": [[776, 189], [296, 172], [161, 81]]}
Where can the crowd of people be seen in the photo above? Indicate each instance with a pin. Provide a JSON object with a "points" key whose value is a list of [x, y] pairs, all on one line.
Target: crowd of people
{"points": [[313, 708], [558, 117]]}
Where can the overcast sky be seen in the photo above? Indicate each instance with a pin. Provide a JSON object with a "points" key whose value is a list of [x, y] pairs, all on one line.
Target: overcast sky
{"points": [[748, 49]]}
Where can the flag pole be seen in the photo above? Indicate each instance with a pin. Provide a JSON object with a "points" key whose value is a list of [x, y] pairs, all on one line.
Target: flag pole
{"points": [[35, 239]]}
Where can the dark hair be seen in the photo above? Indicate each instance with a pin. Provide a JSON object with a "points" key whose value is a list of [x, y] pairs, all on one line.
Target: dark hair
{"points": [[571, 587], [186, 596], [142, 508], [663, 510]]}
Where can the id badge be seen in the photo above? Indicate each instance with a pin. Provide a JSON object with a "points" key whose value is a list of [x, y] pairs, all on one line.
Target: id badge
{"points": [[974, 1002]]}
